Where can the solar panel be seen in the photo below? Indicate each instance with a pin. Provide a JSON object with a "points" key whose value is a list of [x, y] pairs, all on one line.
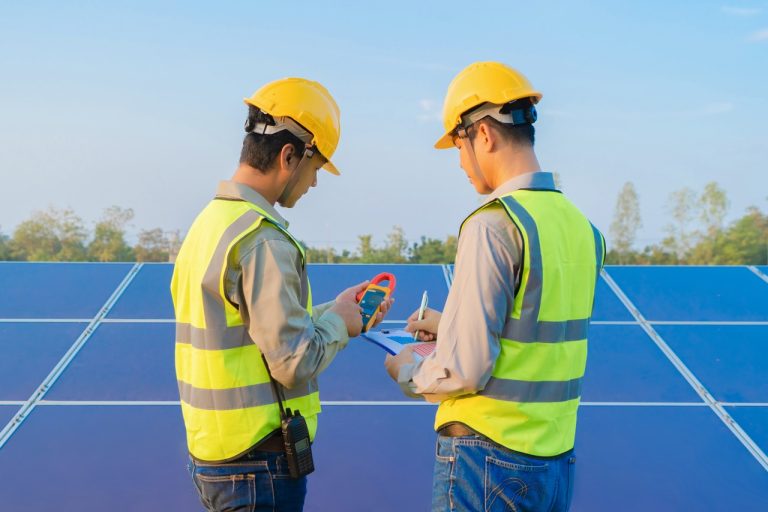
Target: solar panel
{"points": [[730, 360], [57, 290], [623, 367], [644, 431], [28, 352], [694, 293]]}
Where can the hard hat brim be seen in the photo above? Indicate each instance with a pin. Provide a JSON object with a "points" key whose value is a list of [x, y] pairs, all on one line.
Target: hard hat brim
{"points": [[331, 168], [444, 142]]}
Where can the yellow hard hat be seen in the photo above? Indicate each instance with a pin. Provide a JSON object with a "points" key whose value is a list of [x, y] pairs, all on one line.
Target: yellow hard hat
{"points": [[478, 83], [309, 104]]}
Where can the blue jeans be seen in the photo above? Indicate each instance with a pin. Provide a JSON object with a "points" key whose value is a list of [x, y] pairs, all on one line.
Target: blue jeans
{"points": [[262, 482], [474, 474]]}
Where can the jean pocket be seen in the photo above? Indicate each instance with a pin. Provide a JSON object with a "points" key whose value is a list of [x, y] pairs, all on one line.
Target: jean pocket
{"points": [[444, 449], [235, 487], [510, 485]]}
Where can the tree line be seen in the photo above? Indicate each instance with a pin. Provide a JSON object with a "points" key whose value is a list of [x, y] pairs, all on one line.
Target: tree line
{"points": [[695, 235], [61, 235]]}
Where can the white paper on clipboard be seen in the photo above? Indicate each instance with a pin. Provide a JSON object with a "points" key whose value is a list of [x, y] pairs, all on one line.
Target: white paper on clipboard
{"points": [[394, 340]]}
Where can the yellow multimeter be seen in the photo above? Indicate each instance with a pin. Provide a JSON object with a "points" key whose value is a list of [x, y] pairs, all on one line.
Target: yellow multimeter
{"points": [[371, 298]]}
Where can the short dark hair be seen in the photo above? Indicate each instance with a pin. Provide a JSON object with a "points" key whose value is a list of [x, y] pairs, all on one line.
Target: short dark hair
{"points": [[520, 134], [260, 151]]}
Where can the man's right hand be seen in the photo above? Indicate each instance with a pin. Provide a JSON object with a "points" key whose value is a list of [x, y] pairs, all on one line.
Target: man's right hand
{"points": [[350, 312], [427, 326]]}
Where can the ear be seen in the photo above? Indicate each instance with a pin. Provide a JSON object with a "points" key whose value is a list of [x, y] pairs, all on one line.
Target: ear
{"points": [[288, 157], [486, 137]]}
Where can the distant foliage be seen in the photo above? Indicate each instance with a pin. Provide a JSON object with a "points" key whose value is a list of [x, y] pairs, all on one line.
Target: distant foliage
{"points": [[696, 235], [626, 222], [108, 243], [60, 235], [394, 250], [51, 235]]}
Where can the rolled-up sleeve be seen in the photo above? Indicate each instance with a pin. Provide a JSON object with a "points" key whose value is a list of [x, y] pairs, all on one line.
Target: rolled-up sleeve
{"points": [[296, 346], [475, 313]]}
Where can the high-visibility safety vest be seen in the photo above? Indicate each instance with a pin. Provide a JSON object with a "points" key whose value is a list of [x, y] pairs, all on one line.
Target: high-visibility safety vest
{"points": [[530, 402], [227, 399]]}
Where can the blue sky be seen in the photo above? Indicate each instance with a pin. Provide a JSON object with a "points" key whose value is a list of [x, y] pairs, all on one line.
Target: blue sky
{"points": [[140, 104]]}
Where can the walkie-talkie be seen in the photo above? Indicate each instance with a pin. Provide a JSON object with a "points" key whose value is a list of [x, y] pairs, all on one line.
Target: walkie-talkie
{"points": [[298, 450], [371, 298], [293, 426]]}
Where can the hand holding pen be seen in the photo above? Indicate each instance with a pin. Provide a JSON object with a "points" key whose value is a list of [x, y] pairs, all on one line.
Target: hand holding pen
{"points": [[423, 323]]}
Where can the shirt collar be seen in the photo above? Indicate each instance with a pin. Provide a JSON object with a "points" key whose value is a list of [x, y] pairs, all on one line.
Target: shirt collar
{"points": [[538, 180], [238, 191]]}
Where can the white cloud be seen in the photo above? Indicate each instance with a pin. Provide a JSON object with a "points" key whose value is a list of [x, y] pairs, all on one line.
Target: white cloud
{"points": [[741, 11], [430, 111], [760, 35]]}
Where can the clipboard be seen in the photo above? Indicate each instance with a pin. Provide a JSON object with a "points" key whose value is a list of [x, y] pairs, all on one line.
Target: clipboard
{"points": [[394, 340]]}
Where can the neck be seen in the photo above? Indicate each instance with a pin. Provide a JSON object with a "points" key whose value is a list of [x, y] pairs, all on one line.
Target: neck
{"points": [[512, 162], [265, 184]]}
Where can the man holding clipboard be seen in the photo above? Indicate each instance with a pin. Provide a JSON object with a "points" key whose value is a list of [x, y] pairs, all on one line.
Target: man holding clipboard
{"points": [[512, 341]]}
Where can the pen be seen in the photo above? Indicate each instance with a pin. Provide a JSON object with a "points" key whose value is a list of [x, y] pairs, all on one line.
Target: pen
{"points": [[422, 307]]}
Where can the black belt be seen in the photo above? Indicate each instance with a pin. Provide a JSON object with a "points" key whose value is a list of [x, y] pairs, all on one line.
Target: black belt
{"points": [[272, 443], [461, 430]]}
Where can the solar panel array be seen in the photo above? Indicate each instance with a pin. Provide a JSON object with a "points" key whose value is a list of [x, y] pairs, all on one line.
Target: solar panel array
{"points": [[674, 415]]}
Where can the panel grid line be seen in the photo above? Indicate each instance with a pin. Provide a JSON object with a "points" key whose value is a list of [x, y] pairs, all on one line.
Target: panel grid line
{"points": [[448, 276], [702, 391], [757, 272], [40, 392]]}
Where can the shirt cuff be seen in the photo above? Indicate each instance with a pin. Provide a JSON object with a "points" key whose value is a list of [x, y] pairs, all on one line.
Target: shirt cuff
{"points": [[404, 380], [335, 324]]}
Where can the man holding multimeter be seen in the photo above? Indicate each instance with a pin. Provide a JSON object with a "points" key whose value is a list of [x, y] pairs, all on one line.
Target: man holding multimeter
{"points": [[249, 343], [512, 340]]}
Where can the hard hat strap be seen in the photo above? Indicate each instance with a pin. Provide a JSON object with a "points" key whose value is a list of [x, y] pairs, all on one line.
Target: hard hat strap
{"points": [[514, 117], [283, 123], [306, 158], [477, 175]]}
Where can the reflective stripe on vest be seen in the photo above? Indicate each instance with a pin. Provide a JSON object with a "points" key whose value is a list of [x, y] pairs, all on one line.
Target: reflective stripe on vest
{"points": [[529, 403], [226, 396]]}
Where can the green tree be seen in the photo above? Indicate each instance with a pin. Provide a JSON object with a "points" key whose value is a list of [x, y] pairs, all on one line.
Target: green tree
{"points": [[396, 248], [682, 207], [432, 250], [746, 240], [366, 250], [5, 249], [152, 245], [108, 242], [626, 222], [51, 235], [713, 206]]}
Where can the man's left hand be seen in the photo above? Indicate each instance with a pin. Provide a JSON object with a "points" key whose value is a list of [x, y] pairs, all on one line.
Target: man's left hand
{"points": [[393, 363], [350, 295]]}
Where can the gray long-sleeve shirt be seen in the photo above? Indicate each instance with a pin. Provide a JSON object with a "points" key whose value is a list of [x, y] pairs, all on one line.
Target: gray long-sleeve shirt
{"points": [[263, 278], [481, 297]]}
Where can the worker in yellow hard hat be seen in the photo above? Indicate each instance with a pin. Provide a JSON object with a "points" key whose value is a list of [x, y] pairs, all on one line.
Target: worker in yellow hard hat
{"points": [[512, 340], [249, 342]]}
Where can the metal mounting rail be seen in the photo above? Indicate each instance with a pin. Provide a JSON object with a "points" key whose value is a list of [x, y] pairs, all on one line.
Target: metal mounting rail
{"points": [[705, 395], [41, 391]]}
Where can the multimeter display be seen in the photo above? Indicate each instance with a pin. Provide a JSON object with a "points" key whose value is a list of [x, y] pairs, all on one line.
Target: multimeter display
{"points": [[370, 300]]}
